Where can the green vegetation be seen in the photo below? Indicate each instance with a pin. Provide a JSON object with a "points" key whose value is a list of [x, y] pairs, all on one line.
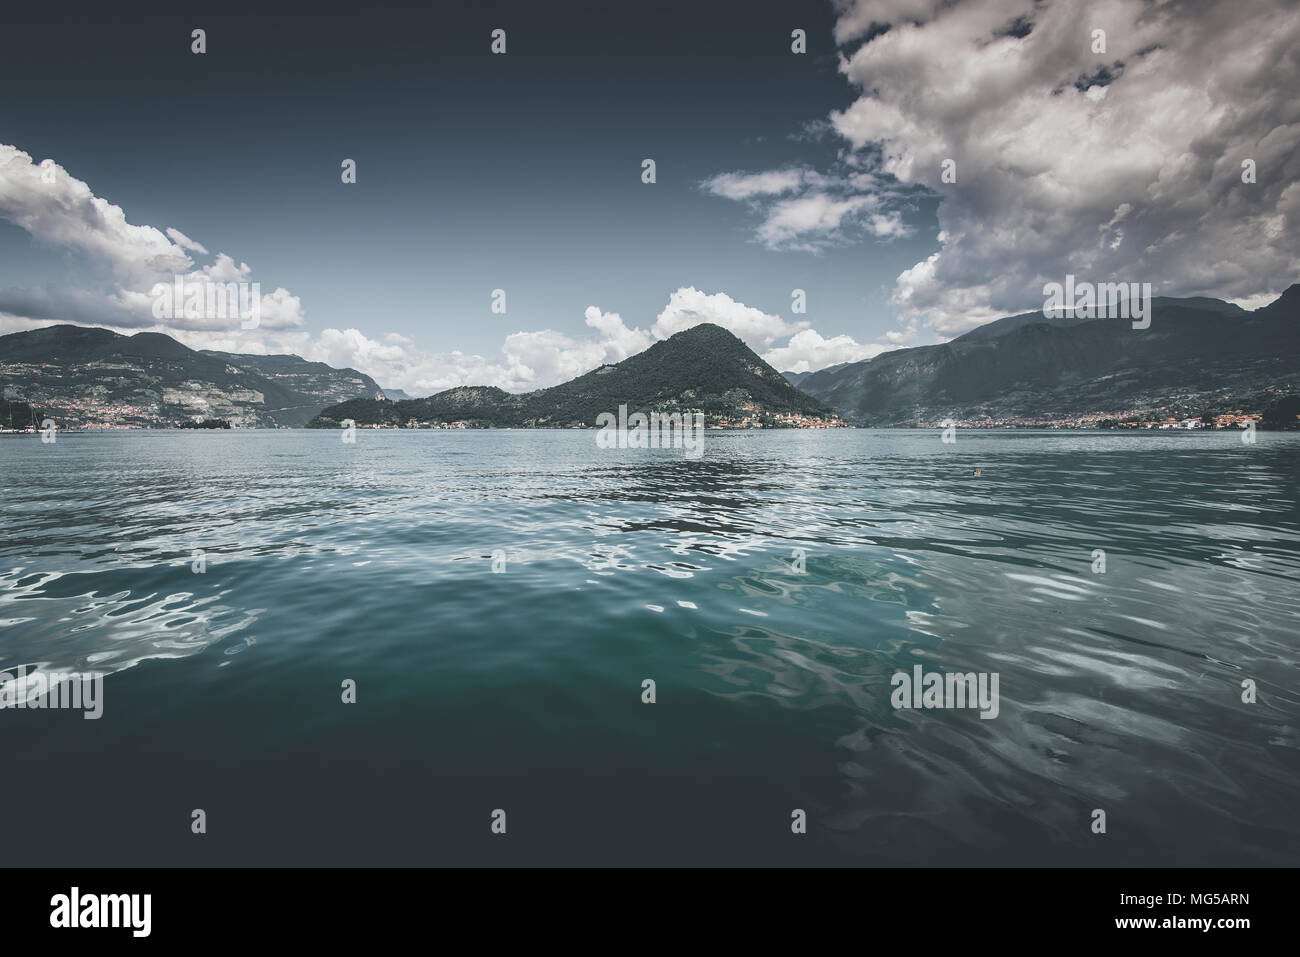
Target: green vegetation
{"points": [[90, 376], [15, 414], [703, 369], [1199, 357], [1282, 414]]}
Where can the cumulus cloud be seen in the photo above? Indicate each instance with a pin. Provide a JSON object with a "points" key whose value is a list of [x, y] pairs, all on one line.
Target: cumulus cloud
{"points": [[689, 306], [888, 224], [180, 239], [46, 305], [815, 213], [749, 185], [57, 208], [618, 341], [528, 360], [805, 209], [808, 351], [1122, 165], [538, 359], [902, 337], [535, 360]]}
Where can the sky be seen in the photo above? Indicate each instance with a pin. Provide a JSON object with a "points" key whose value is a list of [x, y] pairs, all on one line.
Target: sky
{"points": [[922, 168]]}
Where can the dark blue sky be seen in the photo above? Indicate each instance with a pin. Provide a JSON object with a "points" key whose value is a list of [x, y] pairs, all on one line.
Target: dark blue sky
{"points": [[475, 171]]}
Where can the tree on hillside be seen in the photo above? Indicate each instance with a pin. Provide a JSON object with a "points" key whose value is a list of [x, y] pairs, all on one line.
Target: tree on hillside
{"points": [[1282, 414]]}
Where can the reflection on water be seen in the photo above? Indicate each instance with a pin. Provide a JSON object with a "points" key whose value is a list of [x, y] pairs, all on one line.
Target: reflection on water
{"points": [[374, 561]]}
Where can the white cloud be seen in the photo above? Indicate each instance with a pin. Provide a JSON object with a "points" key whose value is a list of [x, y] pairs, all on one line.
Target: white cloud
{"points": [[749, 185], [857, 16], [821, 212], [529, 360], [805, 351], [9, 323], [618, 341], [902, 337], [1122, 166], [815, 213], [689, 307], [1251, 303], [535, 360], [180, 239], [56, 207], [888, 224], [808, 351]]}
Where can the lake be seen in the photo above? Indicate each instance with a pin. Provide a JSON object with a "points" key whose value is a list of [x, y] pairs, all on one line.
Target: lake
{"points": [[499, 599]]}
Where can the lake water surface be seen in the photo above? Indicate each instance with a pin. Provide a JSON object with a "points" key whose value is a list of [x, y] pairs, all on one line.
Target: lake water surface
{"points": [[521, 689]]}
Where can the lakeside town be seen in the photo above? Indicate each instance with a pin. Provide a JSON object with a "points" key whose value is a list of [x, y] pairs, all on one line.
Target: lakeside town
{"points": [[1237, 419], [93, 413], [141, 419], [752, 418], [142, 392]]}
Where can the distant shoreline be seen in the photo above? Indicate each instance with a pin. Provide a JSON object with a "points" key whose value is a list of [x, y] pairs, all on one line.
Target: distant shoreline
{"points": [[853, 428]]}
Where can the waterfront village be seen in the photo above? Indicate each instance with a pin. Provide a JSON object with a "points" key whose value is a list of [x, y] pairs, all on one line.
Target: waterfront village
{"points": [[95, 412], [1105, 420], [750, 416]]}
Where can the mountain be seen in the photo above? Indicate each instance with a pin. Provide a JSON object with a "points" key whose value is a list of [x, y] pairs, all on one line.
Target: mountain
{"points": [[794, 378], [397, 395], [1000, 327], [323, 384], [702, 369], [81, 375], [1198, 355]]}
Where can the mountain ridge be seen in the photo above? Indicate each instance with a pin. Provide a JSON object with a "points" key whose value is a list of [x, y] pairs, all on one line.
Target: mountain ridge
{"points": [[701, 369], [1198, 352], [86, 376]]}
